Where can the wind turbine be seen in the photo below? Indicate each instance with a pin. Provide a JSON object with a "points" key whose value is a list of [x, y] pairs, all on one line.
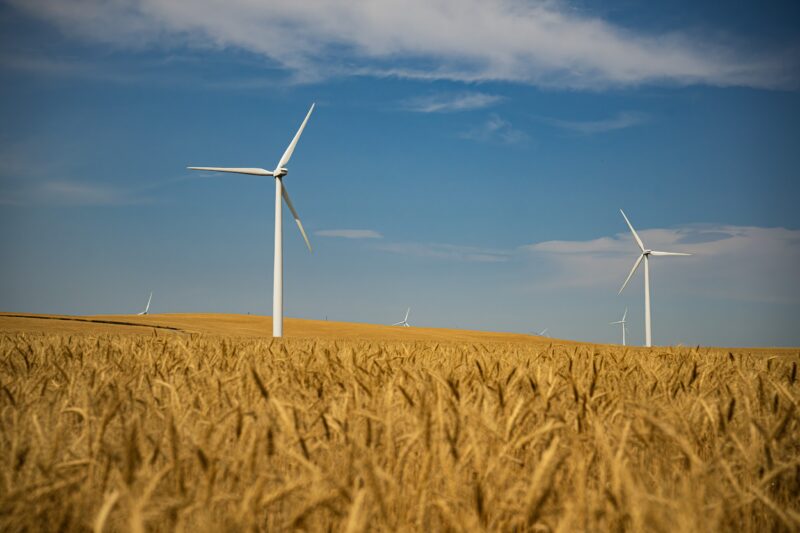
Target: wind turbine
{"points": [[404, 322], [646, 253], [147, 308], [280, 192], [542, 333], [623, 324]]}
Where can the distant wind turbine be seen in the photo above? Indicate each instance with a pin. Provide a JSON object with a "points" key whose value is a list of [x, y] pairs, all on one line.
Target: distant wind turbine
{"points": [[625, 314], [280, 191], [542, 333], [404, 322], [646, 253], [147, 308]]}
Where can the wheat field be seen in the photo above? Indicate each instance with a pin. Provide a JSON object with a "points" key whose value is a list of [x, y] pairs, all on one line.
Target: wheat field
{"points": [[163, 431]]}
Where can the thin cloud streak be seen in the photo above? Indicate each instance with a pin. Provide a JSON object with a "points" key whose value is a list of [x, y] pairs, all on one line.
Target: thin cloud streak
{"points": [[622, 120], [495, 129], [26, 180], [450, 103], [64, 193], [349, 233], [546, 44], [451, 252]]}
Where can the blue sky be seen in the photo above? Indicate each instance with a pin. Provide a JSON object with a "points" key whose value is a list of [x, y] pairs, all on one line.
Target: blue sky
{"points": [[481, 150]]}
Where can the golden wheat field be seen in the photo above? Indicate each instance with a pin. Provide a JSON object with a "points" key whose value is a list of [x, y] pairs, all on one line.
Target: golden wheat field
{"points": [[194, 424]]}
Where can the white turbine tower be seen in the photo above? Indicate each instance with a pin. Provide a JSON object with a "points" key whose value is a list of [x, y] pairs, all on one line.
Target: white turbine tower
{"points": [[404, 322], [625, 314], [147, 308], [646, 253], [280, 192]]}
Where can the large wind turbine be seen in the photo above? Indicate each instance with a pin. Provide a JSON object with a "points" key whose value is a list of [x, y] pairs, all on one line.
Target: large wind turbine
{"points": [[646, 253], [147, 308], [280, 192], [625, 314], [404, 322]]}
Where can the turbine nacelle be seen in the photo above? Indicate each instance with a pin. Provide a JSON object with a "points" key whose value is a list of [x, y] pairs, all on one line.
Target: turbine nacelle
{"points": [[280, 172]]}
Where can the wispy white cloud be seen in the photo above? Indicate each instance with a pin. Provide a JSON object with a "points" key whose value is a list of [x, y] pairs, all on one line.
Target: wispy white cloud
{"points": [[541, 43], [27, 177], [149, 71], [20, 158], [349, 233], [494, 129], [449, 103], [447, 251], [737, 262], [33, 173], [622, 120], [72, 193], [67, 194], [44, 65]]}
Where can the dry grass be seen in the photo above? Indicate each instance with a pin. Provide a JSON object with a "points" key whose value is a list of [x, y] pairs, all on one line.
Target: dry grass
{"points": [[247, 326], [143, 432]]}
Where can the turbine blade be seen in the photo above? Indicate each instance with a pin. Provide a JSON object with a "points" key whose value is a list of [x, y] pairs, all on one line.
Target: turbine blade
{"points": [[398, 324], [617, 322], [635, 266], [296, 216], [624, 315], [290, 149], [252, 171], [407, 312], [635, 235], [655, 252], [147, 307]]}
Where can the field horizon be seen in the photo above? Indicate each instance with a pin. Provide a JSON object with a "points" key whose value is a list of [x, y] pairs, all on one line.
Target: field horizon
{"points": [[232, 324], [239, 325]]}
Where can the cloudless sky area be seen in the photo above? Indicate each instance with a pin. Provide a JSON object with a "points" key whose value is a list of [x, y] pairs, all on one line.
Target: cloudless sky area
{"points": [[466, 159]]}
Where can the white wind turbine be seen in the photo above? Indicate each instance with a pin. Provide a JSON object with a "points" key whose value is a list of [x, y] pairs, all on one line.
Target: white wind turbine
{"points": [[625, 314], [646, 253], [280, 192], [404, 322], [542, 333], [147, 308]]}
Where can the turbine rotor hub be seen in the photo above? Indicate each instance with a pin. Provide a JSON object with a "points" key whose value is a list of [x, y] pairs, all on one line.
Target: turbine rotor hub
{"points": [[280, 172]]}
